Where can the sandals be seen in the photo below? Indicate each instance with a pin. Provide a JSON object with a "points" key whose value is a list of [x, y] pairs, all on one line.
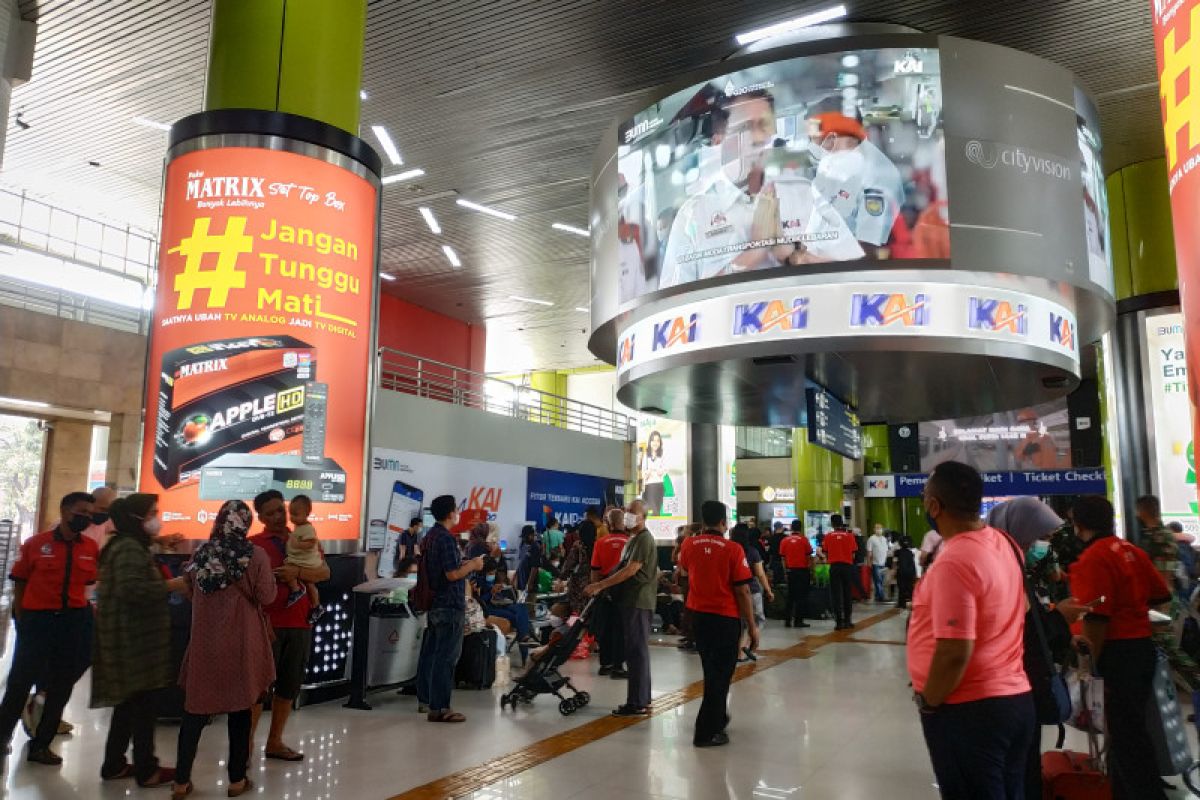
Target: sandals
{"points": [[287, 754], [247, 785], [446, 716]]}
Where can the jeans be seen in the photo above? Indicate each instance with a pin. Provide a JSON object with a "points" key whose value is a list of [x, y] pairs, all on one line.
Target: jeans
{"points": [[132, 720], [517, 614], [189, 739], [979, 749], [877, 579], [635, 627], [717, 640], [440, 648], [1127, 666], [842, 578], [609, 634], [54, 649], [797, 600]]}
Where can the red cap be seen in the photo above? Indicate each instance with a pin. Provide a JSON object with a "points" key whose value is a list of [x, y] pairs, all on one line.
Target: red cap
{"points": [[833, 122]]}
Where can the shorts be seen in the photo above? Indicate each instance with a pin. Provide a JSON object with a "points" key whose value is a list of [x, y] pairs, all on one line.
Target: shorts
{"points": [[756, 600], [290, 649]]}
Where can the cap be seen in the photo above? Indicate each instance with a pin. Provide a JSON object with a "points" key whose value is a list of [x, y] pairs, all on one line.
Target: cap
{"points": [[840, 124]]}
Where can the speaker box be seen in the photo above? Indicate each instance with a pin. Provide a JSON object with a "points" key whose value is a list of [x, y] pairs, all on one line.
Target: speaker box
{"points": [[904, 448]]}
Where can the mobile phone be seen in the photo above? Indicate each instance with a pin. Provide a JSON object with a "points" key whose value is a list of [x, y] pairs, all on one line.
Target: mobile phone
{"points": [[405, 505]]}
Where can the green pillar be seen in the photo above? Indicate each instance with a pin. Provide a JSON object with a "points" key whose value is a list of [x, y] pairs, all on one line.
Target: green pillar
{"points": [[302, 57], [1143, 239], [877, 459], [817, 474], [551, 410]]}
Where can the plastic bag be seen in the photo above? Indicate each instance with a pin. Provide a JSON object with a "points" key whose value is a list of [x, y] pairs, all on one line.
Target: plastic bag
{"points": [[583, 650], [1087, 700]]}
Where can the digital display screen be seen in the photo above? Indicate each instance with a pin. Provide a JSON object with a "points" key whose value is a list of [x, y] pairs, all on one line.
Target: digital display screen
{"points": [[662, 473], [832, 424], [1031, 438], [836, 157]]}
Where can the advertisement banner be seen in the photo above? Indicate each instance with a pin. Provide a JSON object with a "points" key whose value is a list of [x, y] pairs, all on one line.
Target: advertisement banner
{"points": [[1177, 47], [728, 464], [837, 157], [1171, 417], [260, 345], [662, 458], [1000, 484], [566, 495]]}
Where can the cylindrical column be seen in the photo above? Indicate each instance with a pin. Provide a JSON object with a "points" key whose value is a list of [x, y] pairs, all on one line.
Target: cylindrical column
{"points": [[877, 458], [817, 473], [705, 467]]}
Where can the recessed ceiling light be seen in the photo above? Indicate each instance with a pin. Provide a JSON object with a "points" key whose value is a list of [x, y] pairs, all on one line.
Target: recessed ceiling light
{"points": [[485, 210], [815, 18], [15, 401], [430, 220], [451, 256], [530, 300], [583, 309], [362, 94], [149, 123], [387, 276], [558, 226], [408, 174], [385, 141]]}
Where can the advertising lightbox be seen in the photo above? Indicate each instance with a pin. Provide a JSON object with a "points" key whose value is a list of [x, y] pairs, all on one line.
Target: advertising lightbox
{"points": [[1032, 438], [1171, 420], [662, 473], [260, 346]]}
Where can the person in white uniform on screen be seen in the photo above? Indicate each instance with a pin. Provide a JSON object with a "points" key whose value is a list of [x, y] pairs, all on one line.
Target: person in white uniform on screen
{"points": [[631, 264], [855, 177], [741, 206]]}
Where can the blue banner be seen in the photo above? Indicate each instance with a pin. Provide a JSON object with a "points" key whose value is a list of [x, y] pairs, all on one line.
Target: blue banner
{"points": [[566, 495], [1028, 482]]}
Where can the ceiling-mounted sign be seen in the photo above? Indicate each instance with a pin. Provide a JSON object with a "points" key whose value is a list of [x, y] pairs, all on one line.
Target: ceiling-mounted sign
{"points": [[783, 494], [833, 425]]}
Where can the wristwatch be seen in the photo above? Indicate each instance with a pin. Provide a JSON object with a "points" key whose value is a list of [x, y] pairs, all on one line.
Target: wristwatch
{"points": [[923, 704]]}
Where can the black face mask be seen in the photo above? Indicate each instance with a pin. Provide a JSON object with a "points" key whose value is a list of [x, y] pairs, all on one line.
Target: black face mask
{"points": [[932, 522], [99, 518], [79, 524]]}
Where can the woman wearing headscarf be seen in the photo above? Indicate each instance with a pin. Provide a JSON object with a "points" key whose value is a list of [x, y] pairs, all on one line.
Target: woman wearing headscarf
{"points": [[577, 566], [228, 664], [477, 543], [131, 660]]}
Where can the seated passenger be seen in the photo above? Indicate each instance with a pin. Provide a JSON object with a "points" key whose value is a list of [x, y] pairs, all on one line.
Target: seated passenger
{"points": [[500, 600], [560, 623]]}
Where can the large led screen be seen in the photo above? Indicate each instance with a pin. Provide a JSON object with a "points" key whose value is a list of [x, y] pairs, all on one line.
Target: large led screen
{"points": [[261, 339], [1031, 438], [662, 474], [829, 158], [1170, 412]]}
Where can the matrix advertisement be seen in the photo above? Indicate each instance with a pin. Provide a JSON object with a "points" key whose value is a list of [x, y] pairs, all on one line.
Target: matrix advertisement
{"points": [[1167, 389], [261, 339], [662, 470]]}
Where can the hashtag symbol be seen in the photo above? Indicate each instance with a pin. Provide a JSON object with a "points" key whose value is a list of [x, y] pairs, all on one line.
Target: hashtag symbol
{"points": [[1177, 113], [222, 277]]}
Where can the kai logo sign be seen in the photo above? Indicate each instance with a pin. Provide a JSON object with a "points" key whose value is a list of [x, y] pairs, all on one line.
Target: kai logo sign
{"points": [[987, 314], [883, 310], [675, 331], [484, 497], [1062, 332], [755, 318], [625, 351]]}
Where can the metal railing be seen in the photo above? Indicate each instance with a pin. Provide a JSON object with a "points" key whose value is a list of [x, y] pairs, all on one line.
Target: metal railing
{"points": [[424, 377]]}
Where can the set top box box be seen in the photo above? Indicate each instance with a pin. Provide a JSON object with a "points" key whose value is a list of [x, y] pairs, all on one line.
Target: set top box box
{"points": [[228, 396]]}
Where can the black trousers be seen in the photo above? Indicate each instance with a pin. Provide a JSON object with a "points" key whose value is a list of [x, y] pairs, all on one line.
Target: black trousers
{"points": [[132, 720], [842, 578], [1127, 666], [978, 749], [904, 588], [717, 639], [609, 634], [798, 582], [189, 739], [53, 650]]}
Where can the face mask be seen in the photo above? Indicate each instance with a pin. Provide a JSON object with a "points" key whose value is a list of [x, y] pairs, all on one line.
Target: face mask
{"points": [[79, 524], [99, 518], [933, 526], [630, 520], [152, 526], [1038, 551], [465, 535], [489, 579], [740, 156], [839, 179]]}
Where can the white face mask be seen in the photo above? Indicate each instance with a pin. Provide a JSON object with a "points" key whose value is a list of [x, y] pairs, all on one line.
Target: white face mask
{"points": [[839, 179], [152, 526], [631, 520]]}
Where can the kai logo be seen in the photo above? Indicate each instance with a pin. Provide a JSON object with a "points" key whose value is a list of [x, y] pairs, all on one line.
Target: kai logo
{"points": [[987, 314], [1062, 331], [880, 310], [675, 331], [752, 318], [484, 497], [879, 483], [625, 352]]}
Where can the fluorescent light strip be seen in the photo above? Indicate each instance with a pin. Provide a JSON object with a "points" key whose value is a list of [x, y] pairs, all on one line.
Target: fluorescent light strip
{"points": [[402, 176], [451, 256], [815, 18], [530, 300], [1040, 96], [387, 276], [13, 401], [362, 94], [584, 310], [485, 210], [558, 226], [385, 141], [430, 220], [149, 123]]}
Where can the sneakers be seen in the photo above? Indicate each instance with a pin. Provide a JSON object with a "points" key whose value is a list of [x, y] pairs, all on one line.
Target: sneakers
{"points": [[716, 740], [294, 597], [618, 674]]}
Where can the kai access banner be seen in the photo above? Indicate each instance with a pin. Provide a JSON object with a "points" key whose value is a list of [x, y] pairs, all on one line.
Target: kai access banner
{"points": [[1177, 46], [261, 339]]}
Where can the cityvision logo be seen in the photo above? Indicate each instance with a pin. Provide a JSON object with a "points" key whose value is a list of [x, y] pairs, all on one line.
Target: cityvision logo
{"points": [[986, 314], [753, 318], [1062, 331], [677, 330], [990, 155], [625, 351], [879, 310]]}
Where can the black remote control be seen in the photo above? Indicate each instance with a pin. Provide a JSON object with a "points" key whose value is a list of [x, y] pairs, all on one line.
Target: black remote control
{"points": [[315, 397]]}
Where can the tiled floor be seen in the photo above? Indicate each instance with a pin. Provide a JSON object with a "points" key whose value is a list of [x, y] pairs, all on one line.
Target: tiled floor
{"points": [[837, 724]]}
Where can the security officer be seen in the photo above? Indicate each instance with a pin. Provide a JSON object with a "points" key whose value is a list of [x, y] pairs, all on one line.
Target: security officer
{"points": [[840, 547], [54, 622]]}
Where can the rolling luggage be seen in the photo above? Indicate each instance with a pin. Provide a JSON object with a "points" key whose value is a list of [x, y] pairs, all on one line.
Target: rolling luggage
{"points": [[820, 603], [477, 665], [1067, 775]]}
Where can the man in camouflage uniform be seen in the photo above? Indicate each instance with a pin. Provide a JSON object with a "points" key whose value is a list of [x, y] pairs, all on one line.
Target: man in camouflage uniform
{"points": [[1159, 543]]}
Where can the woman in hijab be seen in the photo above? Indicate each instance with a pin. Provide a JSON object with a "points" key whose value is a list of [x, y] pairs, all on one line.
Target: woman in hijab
{"points": [[132, 645], [477, 544], [577, 567], [228, 664]]}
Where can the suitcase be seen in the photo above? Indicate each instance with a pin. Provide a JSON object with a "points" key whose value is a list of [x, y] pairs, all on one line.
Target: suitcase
{"points": [[820, 603], [477, 665], [777, 608], [1067, 775]]}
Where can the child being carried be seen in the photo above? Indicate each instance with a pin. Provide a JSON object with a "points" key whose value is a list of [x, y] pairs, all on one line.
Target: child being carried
{"points": [[302, 552]]}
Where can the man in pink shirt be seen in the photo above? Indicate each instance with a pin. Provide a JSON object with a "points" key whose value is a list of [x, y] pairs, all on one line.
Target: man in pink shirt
{"points": [[965, 646]]}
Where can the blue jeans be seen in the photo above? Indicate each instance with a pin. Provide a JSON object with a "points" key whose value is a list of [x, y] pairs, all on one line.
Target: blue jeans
{"points": [[979, 749], [440, 648], [877, 577]]}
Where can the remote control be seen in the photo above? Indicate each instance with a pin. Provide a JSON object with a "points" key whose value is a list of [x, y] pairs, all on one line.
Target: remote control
{"points": [[315, 397]]}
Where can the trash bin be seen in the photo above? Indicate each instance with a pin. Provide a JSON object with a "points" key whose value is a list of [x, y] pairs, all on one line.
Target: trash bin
{"points": [[395, 643]]}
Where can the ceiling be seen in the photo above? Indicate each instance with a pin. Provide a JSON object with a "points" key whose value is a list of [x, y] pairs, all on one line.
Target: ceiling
{"points": [[503, 102]]}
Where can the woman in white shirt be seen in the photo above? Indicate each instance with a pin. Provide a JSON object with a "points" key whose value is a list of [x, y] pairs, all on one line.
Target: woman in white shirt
{"points": [[654, 470]]}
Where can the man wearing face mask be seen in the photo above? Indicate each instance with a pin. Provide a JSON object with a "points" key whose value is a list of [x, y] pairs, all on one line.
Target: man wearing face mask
{"points": [[54, 622], [877, 556], [635, 587], [606, 560], [632, 269], [965, 647]]}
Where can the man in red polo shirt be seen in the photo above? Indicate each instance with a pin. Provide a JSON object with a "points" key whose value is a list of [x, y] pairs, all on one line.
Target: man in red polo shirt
{"points": [[54, 623], [606, 556], [293, 632], [840, 546], [719, 597], [796, 552]]}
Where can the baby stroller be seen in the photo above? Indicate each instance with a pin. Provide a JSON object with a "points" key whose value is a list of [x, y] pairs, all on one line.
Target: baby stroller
{"points": [[544, 678]]}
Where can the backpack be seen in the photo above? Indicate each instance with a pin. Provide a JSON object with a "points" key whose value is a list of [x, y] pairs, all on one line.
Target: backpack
{"points": [[420, 597]]}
